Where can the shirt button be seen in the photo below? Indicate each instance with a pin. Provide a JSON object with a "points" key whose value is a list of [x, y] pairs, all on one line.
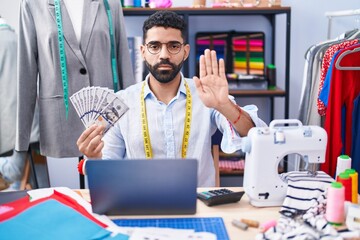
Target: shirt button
{"points": [[83, 71]]}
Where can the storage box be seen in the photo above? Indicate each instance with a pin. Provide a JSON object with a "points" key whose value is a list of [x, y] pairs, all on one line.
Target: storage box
{"points": [[243, 52], [246, 3]]}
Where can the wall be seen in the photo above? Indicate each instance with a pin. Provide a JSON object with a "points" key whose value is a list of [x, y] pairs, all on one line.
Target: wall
{"points": [[9, 10], [308, 26]]}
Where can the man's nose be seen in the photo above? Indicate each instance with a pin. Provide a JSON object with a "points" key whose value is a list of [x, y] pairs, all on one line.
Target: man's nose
{"points": [[164, 53]]}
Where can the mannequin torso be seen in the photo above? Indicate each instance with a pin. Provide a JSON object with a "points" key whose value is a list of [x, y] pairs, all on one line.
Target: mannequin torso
{"points": [[75, 10], [2, 21]]}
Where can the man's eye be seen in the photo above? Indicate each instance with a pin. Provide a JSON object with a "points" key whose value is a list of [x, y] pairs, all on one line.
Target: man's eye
{"points": [[175, 46], [154, 46]]}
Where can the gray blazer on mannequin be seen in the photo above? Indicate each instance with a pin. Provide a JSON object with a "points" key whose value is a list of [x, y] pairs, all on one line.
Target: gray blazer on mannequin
{"points": [[88, 65], [8, 90]]}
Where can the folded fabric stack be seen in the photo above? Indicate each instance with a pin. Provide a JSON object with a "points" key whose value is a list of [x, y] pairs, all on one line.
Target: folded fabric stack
{"points": [[228, 165], [54, 214], [61, 213], [304, 208]]}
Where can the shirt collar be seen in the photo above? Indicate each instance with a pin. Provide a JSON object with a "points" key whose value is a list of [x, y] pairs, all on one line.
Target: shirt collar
{"points": [[148, 92]]}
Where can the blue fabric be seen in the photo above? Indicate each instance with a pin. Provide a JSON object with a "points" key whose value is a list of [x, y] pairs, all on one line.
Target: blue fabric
{"points": [[53, 220], [343, 129], [355, 150], [324, 93]]}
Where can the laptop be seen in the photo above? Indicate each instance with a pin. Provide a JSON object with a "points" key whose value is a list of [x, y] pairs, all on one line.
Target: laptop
{"points": [[142, 187], [10, 196]]}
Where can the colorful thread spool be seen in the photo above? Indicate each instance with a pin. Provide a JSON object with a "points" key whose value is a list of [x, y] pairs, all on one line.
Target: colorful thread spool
{"points": [[346, 181], [354, 184], [335, 210], [343, 163]]}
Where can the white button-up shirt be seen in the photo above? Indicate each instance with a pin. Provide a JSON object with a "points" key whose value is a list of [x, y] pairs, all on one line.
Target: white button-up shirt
{"points": [[166, 129]]}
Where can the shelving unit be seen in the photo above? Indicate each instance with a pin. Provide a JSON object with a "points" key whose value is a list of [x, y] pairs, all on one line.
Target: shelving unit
{"points": [[270, 13], [201, 20]]}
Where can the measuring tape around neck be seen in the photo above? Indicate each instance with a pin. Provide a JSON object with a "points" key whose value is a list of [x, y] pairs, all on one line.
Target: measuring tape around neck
{"points": [[187, 123], [63, 67]]}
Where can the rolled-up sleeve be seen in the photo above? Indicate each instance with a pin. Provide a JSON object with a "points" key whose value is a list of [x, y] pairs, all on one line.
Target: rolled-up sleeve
{"points": [[231, 140]]}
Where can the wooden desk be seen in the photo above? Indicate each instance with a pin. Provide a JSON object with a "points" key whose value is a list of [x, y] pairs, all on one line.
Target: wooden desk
{"points": [[228, 212]]}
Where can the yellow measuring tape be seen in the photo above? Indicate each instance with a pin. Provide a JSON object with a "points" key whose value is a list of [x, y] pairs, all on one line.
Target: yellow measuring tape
{"points": [[187, 124]]}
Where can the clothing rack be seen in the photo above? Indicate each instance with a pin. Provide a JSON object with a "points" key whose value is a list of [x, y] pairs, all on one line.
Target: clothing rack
{"points": [[331, 15]]}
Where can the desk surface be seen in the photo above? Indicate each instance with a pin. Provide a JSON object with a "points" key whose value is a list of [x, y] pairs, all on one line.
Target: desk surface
{"points": [[228, 212]]}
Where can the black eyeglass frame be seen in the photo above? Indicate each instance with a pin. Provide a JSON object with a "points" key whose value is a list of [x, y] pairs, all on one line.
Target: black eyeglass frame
{"points": [[160, 45]]}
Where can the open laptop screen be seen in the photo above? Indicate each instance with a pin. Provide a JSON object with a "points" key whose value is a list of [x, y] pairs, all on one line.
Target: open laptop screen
{"points": [[141, 187]]}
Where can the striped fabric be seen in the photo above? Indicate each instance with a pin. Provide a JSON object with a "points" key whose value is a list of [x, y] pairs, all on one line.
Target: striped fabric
{"points": [[310, 226], [303, 189], [304, 210], [231, 165]]}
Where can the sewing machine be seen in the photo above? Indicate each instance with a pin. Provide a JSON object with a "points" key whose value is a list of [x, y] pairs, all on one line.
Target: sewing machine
{"points": [[265, 147]]}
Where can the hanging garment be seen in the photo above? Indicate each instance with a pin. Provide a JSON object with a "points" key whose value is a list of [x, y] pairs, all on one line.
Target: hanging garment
{"points": [[344, 89], [7, 87], [355, 150], [329, 54], [311, 115], [8, 52], [88, 64]]}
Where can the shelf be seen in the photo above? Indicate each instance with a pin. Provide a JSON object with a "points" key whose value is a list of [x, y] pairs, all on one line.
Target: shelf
{"points": [[241, 172], [278, 92], [210, 11], [270, 13], [231, 172]]}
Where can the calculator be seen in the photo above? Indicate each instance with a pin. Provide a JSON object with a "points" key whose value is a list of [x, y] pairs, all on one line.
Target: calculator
{"points": [[219, 196]]}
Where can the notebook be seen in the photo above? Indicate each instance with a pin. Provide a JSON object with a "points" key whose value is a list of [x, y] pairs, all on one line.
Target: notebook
{"points": [[142, 187]]}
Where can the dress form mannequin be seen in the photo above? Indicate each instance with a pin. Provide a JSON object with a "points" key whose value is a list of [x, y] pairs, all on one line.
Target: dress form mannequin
{"points": [[11, 162], [75, 10], [87, 47], [2, 21]]}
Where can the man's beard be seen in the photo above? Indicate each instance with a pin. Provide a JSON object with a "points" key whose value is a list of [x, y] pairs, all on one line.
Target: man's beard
{"points": [[164, 76]]}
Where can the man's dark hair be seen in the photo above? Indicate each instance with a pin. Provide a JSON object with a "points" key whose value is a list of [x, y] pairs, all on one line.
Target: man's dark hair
{"points": [[166, 19]]}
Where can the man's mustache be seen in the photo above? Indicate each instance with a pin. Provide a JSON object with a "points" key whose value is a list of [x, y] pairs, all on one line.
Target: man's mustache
{"points": [[165, 61]]}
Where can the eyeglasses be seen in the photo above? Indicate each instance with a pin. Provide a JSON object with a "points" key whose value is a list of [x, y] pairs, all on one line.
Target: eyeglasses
{"points": [[173, 47]]}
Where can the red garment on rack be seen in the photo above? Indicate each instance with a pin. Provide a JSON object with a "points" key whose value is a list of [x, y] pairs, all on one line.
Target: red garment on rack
{"points": [[344, 88], [329, 54]]}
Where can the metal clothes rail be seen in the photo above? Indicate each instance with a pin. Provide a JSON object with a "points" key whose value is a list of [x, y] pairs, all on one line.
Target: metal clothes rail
{"points": [[331, 15]]}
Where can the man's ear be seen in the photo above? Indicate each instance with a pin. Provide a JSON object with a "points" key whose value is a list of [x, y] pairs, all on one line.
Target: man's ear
{"points": [[142, 50], [187, 51]]}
